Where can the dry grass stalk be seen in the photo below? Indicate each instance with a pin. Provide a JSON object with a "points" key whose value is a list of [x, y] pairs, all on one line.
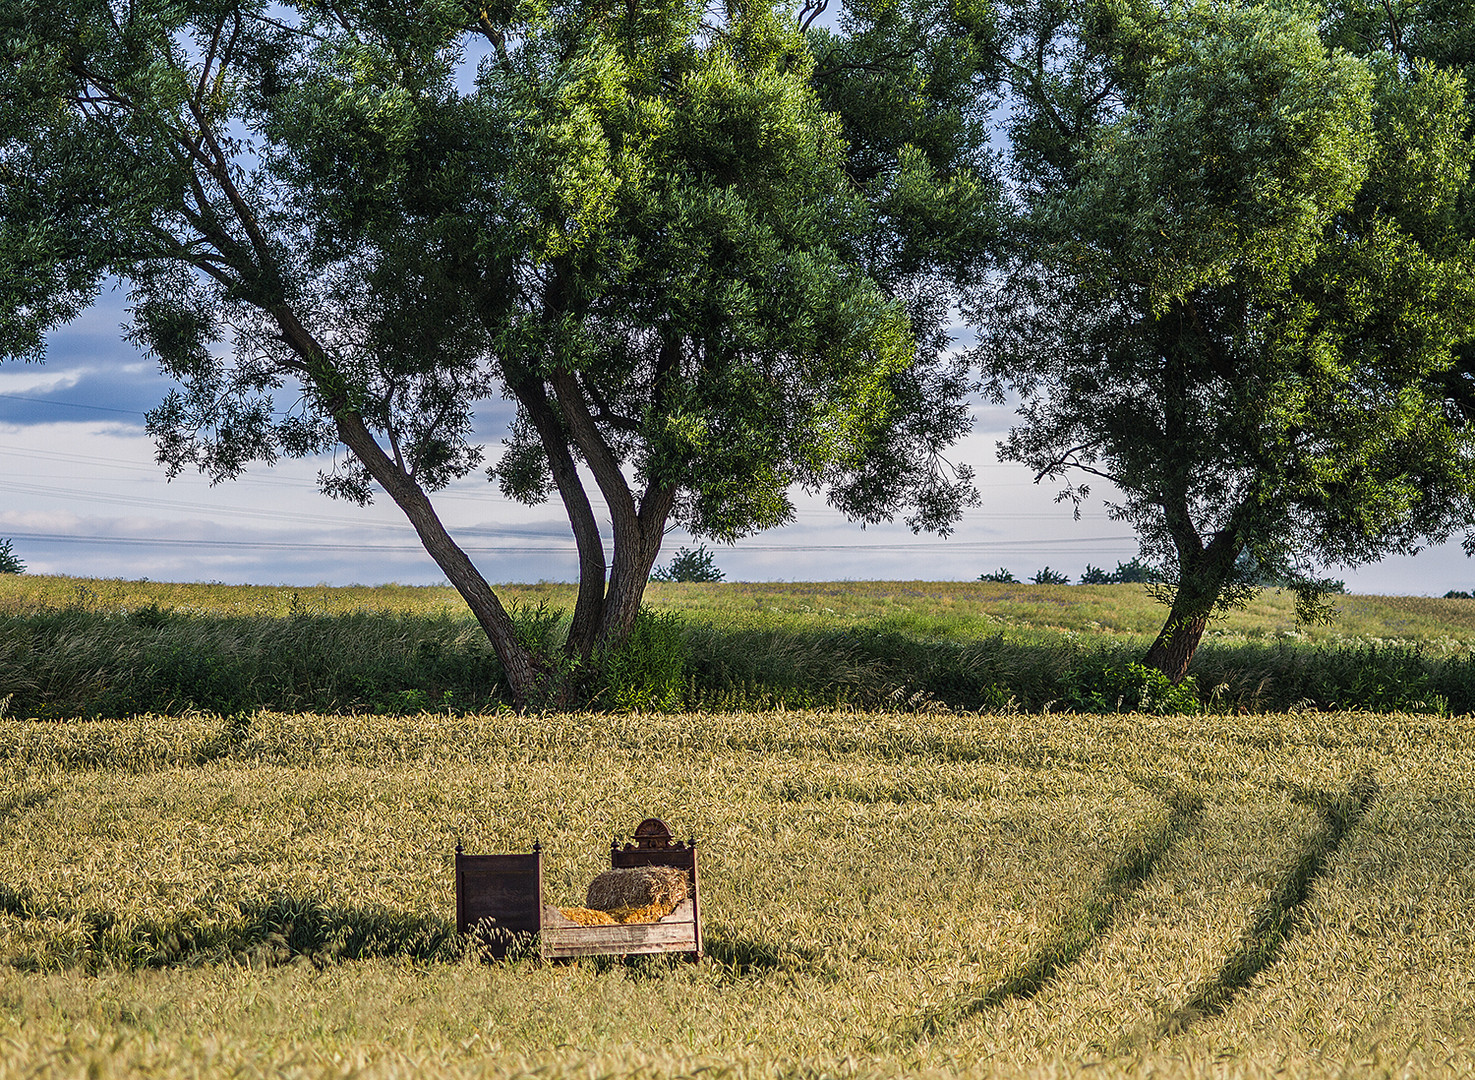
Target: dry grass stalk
{"points": [[588, 916], [653, 912], [637, 887]]}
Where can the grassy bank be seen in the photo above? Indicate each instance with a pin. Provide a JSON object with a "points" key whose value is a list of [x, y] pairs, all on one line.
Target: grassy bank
{"points": [[884, 894], [71, 648]]}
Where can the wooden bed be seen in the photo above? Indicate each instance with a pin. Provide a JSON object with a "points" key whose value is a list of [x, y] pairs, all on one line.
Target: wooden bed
{"points": [[499, 898]]}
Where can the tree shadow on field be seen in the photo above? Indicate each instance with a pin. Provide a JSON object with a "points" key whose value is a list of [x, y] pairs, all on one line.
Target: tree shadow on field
{"points": [[1281, 916], [746, 957], [263, 932], [1091, 918]]}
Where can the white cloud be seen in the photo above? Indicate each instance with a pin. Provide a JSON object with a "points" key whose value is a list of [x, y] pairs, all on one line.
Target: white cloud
{"points": [[93, 491], [38, 379]]}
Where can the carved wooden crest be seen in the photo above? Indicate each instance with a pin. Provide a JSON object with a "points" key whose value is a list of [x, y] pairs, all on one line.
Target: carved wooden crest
{"points": [[652, 834]]}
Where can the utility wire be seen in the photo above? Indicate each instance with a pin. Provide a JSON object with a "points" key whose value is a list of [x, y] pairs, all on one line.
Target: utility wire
{"points": [[961, 547], [70, 404]]}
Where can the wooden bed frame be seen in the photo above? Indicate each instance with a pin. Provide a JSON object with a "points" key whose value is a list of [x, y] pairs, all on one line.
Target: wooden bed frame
{"points": [[500, 899]]}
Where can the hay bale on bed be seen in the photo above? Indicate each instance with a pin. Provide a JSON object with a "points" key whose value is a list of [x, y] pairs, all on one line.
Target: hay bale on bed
{"points": [[637, 887]]}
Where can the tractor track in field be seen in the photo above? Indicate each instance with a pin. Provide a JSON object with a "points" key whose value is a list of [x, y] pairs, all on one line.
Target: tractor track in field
{"points": [[1273, 924]]}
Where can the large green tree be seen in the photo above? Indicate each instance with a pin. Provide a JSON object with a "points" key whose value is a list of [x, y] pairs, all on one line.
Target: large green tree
{"points": [[641, 226], [1241, 285]]}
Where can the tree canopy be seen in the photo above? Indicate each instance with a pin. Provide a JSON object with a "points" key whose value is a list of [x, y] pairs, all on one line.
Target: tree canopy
{"points": [[641, 223], [1241, 285]]}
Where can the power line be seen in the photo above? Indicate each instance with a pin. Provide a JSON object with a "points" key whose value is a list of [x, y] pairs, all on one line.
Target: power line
{"points": [[70, 404], [960, 547], [265, 545]]}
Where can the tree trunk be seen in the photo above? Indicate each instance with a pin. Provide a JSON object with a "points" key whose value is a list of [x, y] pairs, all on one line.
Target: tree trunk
{"points": [[1176, 643], [633, 560], [589, 607], [638, 526], [638, 539], [1201, 580], [1203, 569], [460, 571]]}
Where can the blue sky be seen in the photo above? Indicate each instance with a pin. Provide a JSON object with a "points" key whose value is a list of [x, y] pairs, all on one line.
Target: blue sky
{"points": [[82, 495]]}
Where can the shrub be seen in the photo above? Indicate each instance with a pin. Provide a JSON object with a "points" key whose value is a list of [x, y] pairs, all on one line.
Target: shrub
{"points": [[647, 671], [1128, 687], [1126, 573], [1002, 576], [9, 564], [1050, 577], [1134, 572], [536, 625], [1146, 689], [688, 565]]}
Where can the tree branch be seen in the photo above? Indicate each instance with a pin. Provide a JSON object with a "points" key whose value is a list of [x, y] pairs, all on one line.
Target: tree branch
{"points": [[209, 59]]}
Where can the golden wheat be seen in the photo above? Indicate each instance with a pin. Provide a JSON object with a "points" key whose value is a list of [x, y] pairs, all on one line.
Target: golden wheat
{"points": [[273, 895], [588, 916]]}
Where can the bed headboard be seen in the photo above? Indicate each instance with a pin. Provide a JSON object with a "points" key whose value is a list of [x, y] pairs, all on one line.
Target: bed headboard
{"points": [[653, 846]]}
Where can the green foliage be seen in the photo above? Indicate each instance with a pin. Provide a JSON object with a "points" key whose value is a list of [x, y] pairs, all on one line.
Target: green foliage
{"points": [[1135, 572], [537, 625], [644, 227], [1001, 576], [1241, 290], [689, 565], [1136, 688], [74, 662], [9, 562], [1047, 576], [647, 671], [77, 662]]}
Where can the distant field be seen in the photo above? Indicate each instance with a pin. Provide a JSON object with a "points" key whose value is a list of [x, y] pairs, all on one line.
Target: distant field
{"points": [[937, 608], [885, 894]]}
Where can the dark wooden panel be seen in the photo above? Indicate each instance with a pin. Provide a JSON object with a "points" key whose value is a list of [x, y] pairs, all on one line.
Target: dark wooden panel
{"points": [[499, 896], [683, 858]]}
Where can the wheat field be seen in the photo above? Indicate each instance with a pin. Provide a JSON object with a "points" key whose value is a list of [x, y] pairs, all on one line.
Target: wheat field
{"points": [[883, 894], [937, 608]]}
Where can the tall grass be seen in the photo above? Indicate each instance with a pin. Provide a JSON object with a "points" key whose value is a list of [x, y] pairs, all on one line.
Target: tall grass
{"points": [[119, 649], [79, 663]]}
